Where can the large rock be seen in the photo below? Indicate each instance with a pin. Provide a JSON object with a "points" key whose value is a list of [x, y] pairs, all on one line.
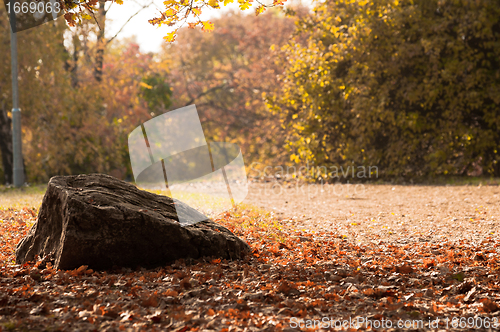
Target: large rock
{"points": [[103, 222]]}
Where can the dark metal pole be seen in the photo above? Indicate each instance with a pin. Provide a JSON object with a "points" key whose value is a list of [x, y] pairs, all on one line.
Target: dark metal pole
{"points": [[16, 111]]}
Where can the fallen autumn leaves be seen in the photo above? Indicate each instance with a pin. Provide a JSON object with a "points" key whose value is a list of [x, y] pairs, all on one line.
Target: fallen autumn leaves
{"points": [[291, 273]]}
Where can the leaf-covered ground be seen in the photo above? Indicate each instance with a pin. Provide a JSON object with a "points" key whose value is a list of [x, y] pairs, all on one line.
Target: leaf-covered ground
{"points": [[294, 280]]}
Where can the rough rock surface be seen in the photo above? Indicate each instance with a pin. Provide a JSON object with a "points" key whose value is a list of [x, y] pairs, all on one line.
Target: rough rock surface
{"points": [[103, 222]]}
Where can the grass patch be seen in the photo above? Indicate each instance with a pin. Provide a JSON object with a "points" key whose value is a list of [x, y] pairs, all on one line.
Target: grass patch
{"points": [[17, 198]]}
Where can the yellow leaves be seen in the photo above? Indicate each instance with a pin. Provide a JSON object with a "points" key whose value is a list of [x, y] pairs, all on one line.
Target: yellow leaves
{"points": [[170, 12], [335, 31], [197, 11], [259, 10], [295, 116], [86, 16], [208, 26], [170, 37], [245, 5], [213, 3], [299, 127], [227, 2], [144, 85], [120, 2]]}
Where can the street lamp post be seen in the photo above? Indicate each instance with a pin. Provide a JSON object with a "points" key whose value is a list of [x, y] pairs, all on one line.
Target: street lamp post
{"points": [[16, 111]]}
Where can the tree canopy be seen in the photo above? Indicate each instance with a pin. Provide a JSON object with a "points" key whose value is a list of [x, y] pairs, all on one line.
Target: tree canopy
{"points": [[412, 87], [176, 12]]}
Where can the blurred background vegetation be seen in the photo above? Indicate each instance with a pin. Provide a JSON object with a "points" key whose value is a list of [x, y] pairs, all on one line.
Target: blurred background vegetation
{"points": [[411, 87]]}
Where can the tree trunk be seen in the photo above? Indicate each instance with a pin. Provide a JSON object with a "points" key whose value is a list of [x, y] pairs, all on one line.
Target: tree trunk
{"points": [[74, 67], [6, 145], [101, 41]]}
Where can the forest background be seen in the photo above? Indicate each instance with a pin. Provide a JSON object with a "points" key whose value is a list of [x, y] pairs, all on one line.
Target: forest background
{"points": [[411, 87]]}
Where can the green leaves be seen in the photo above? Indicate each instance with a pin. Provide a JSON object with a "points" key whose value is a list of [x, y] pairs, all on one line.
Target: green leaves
{"points": [[156, 92]]}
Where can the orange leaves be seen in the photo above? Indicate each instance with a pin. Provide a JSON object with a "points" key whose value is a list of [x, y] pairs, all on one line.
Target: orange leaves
{"points": [[379, 292], [151, 301], [170, 292], [404, 269], [428, 263], [275, 249], [30, 211], [157, 20], [489, 306], [369, 292], [185, 283], [364, 279], [70, 18], [332, 296], [287, 288], [13, 227], [80, 271]]}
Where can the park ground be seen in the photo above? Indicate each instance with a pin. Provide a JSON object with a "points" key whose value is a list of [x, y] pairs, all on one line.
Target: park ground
{"points": [[385, 257]]}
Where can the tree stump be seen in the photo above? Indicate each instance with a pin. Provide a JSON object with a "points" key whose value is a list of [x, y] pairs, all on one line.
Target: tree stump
{"points": [[100, 221]]}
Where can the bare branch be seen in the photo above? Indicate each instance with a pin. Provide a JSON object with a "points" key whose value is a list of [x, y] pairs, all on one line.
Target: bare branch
{"points": [[215, 88], [131, 17]]}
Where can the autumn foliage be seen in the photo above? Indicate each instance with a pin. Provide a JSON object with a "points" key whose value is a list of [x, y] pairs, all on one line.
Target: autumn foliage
{"points": [[291, 274], [408, 86]]}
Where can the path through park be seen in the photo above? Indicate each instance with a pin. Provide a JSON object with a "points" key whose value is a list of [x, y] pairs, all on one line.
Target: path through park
{"points": [[385, 212]]}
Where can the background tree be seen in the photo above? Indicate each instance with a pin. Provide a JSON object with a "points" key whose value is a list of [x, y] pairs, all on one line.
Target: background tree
{"points": [[227, 74], [411, 87], [39, 52], [156, 92], [72, 125]]}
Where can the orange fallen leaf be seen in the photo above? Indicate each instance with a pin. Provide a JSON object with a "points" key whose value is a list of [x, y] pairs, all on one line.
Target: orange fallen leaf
{"points": [[151, 301], [404, 269], [489, 306]]}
